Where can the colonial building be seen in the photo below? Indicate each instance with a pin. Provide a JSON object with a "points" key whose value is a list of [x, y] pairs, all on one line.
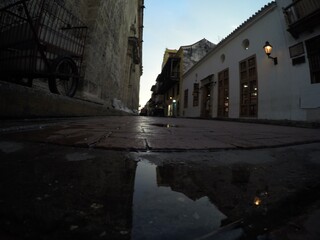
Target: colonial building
{"points": [[242, 78], [167, 91], [113, 55], [112, 59]]}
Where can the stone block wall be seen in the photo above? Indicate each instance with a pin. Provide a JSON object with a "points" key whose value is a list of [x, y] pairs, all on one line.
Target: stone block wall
{"points": [[109, 69]]}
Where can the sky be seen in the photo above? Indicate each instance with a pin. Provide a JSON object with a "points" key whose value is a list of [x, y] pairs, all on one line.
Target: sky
{"points": [[174, 23]]}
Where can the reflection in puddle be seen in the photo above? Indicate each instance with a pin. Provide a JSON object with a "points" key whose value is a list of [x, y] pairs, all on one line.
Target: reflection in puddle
{"points": [[160, 213], [83, 196]]}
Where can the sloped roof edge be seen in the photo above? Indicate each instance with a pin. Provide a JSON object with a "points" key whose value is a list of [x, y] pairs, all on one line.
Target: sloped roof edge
{"points": [[264, 10], [185, 46]]}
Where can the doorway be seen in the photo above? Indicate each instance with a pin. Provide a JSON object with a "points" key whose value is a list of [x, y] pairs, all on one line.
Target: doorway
{"points": [[223, 93], [206, 106]]}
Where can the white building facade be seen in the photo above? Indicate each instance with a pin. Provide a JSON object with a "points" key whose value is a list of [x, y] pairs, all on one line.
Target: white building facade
{"points": [[238, 80]]}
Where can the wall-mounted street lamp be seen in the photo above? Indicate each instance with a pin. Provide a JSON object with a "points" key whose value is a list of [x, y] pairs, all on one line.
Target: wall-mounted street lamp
{"points": [[267, 49]]}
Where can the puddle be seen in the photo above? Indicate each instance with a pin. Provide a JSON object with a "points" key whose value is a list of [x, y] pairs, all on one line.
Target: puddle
{"points": [[10, 147], [115, 197], [164, 125], [161, 213]]}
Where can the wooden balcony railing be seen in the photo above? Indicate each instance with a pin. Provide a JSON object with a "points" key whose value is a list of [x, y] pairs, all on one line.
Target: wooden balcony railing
{"points": [[302, 15], [300, 9]]}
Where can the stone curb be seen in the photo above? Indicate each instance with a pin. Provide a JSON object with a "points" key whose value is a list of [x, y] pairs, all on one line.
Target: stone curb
{"points": [[18, 101]]}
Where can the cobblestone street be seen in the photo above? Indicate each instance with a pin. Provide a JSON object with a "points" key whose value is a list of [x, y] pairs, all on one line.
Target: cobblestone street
{"points": [[158, 178]]}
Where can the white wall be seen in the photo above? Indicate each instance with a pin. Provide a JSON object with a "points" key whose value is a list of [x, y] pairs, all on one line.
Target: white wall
{"points": [[200, 72], [284, 90]]}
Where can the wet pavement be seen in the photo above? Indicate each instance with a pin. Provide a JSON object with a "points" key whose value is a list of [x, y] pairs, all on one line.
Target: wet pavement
{"points": [[158, 178], [158, 134]]}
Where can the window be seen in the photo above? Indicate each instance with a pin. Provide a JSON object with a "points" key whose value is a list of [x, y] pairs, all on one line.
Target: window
{"points": [[297, 54], [196, 94], [313, 50], [245, 44], [185, 103], [248, 88], [223, 58], [296, 50], [223, 93]]}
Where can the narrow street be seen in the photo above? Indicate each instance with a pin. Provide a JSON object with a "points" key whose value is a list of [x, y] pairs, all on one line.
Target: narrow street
{"points": [[158, 178]]}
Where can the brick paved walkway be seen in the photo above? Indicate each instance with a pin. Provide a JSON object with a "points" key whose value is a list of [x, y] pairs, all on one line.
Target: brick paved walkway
{"points": [[159, 134]]}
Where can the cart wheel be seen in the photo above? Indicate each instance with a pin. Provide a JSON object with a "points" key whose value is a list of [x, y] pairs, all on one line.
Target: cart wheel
{"points": [[65, 78]]}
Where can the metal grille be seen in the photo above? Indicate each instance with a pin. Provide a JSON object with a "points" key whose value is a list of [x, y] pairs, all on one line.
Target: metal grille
{"points": [[35, 32]]}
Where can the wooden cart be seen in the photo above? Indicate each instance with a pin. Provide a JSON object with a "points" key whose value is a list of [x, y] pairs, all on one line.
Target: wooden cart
{"points": [[41, 39]]}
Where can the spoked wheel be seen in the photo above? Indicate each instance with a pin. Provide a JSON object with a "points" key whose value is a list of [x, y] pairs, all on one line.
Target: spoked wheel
{"points": [[65, 78]]}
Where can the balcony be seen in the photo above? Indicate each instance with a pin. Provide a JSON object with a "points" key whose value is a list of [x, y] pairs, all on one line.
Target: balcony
{"points": [[169, 75], [134, 50], [301, 16]]}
